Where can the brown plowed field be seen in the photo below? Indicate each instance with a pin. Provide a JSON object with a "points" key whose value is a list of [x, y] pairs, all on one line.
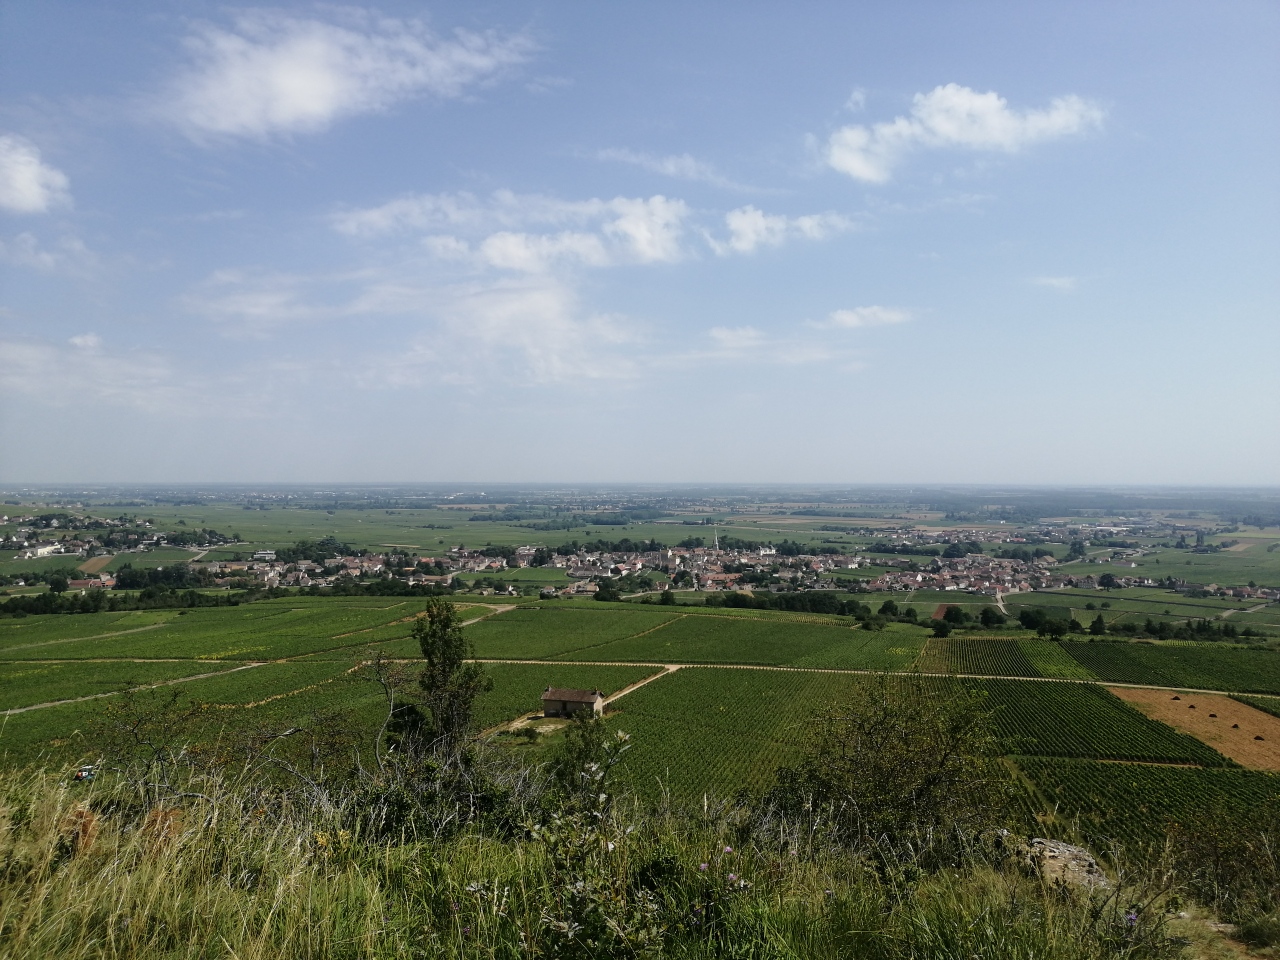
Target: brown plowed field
{"points": [[95, 564], [1192, 713]]}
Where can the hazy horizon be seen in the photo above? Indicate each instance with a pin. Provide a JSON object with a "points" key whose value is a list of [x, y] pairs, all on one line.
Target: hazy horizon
{"points": [[839, 246]]}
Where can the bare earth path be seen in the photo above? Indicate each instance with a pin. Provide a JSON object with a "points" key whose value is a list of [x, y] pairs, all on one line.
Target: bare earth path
{"points": [[116, 693]]}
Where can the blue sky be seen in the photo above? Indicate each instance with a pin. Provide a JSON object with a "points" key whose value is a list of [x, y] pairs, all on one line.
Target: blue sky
{"points": [[918, 242]]}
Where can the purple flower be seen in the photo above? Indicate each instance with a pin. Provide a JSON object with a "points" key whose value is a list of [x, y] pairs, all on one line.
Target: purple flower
{"points": [[702, 866], [728, 849], [733, 877]]}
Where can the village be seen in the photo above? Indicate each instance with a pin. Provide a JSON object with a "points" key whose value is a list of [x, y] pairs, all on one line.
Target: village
{"points": [[987, 561]]}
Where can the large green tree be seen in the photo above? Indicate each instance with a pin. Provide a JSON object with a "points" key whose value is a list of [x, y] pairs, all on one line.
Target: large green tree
{"points": [[450, 681]]}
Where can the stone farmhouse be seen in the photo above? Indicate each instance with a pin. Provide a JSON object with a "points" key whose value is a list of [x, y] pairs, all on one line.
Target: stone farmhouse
{"points": [[562, 702]]}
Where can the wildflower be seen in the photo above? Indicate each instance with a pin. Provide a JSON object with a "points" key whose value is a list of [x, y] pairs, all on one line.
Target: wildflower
{"points": [[611, 847], [702, 867], [733, 877], [728, 849]]}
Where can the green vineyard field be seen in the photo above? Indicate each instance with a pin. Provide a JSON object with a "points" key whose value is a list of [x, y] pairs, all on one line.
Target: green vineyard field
{"points": [[1200, 665], [712, 730], [1132, 803], [1084, 720]]}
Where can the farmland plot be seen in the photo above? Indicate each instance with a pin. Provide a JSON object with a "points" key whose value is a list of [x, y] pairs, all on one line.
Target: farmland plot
{"points": [[706, 730], [1052, 661], [1132, 803], [250, 632], [705, 639], [983, 657], [1248, 736], [538, 633], [1084, 720], [1269, 705], [1200, 665], [21, 633], [709, 730], [24, 684]]}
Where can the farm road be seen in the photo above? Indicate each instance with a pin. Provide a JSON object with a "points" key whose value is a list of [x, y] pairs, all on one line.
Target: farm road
{"points": [[116, 693], [494, 610], [1227, 613], [669, 668]]}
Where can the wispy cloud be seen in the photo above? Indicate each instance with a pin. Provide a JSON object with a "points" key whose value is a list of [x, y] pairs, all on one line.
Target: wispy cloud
{"points": [[954, 116], [69, 255], [679, 166], [501, 231], [270, 73], [66, 374], [872, 316], [27, 183], [1065, 284], [750, 228]]}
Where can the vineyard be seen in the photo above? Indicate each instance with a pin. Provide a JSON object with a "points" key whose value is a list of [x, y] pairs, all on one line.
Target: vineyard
{"points": [[261, 631], [707, 639], [1200, 666], [1052, 661], [280, 695], [991, 658], [1084, 720], [23, 684], [708, 730], [541, 633], [718, 731], [1131, 803], [1269, 705]]}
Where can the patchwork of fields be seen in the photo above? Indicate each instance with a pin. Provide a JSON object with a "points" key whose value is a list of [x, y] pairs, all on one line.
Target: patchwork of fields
{"points": [[738, 706]]}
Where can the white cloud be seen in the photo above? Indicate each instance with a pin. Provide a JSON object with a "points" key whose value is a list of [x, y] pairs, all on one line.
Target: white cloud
{"points": [[737, 339], [621, 230], [69, 255], [249, 304], [27, 183], [502, 210], [535, 253], [857, 100], [873, 316], [272, 73], [1065, 284], [955, 116], [750, 228], [65, 375], [536, 326], [680, 166], [649, 229]]}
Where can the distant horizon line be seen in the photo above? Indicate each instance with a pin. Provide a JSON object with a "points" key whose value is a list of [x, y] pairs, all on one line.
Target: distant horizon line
{"points": [[17, 486]]}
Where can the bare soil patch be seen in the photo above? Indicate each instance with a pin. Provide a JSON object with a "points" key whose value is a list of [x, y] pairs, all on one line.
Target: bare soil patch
{"points": [[95, 564], [1224, 724]]}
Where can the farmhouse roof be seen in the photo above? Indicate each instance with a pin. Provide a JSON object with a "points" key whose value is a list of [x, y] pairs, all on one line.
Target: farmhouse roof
{"points": [[571, 696]]}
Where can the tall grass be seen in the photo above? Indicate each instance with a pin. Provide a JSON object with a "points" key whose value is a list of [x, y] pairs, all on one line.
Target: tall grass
{"points": [[87, 871]]}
